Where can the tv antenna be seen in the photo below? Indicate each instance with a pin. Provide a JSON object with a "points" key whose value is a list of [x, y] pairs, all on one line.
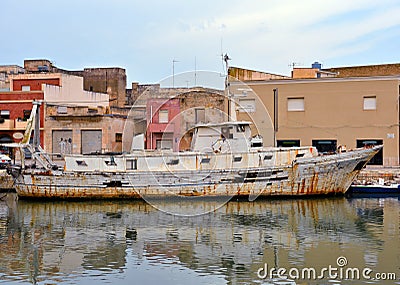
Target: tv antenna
{"points": [[293, 64], [173, 72]]}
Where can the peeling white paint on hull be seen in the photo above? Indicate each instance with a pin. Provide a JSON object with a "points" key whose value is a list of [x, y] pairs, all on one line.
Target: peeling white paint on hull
{"points": [[331, 174]]}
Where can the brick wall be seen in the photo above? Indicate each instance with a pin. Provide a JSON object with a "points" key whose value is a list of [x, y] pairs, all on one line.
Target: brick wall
{"points": [[35, 84]]}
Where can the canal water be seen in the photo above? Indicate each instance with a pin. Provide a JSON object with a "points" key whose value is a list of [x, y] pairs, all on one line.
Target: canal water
{"points": [[294, 241]]}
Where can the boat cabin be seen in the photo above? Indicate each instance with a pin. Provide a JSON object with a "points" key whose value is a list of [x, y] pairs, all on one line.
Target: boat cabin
{"points": [[222, 137]]}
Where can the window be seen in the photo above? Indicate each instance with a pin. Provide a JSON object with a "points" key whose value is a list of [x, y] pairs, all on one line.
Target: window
{"points": [[118, 137], [164, 144], [131, 164], [288, 143], [27, 114], [237, 158], [227, 133], [205, 160], [295, 104], [247, 105], [378, 158], [92, 110], [325, 146], [370, 103], [81, 163], [200, 115], [26, 88], [163, 116], [62, 110], [240, 128], [5, 114]]}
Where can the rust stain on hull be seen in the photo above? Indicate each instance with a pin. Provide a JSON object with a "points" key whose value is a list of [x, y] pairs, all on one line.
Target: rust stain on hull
{"points": [[317, 176]]}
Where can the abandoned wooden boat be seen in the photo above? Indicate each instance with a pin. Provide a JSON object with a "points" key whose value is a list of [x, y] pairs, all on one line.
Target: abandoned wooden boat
{"points": [[6, 181], [223, 161]]}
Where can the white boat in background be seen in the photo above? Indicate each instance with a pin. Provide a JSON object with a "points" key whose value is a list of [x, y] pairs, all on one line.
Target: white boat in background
{"points": [[223, 162]]}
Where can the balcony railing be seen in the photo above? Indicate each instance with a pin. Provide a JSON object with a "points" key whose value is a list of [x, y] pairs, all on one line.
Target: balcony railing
{"points": [[6, 124], [9, 125], [20, 125]]}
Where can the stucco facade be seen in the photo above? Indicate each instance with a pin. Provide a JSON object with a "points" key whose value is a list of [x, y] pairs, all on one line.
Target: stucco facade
{"points": [[346, 111], [68, 112]]}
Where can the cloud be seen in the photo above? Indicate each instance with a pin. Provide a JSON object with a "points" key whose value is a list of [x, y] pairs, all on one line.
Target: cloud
{"points": [[144, 37]]}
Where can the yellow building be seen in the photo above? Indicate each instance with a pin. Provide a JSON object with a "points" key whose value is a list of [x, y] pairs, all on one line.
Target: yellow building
{"points": [[327, 112]]}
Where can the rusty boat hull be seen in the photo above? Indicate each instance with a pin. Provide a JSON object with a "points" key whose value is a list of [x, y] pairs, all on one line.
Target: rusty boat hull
{"points": [[287, 174], [6, 181]]}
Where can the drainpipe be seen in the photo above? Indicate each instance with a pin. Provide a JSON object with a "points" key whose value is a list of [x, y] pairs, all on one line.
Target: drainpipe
{"points": [[275, 114]]}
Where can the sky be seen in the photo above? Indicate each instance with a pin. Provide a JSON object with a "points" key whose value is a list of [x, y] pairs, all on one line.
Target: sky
{"points": [[154, 39]]}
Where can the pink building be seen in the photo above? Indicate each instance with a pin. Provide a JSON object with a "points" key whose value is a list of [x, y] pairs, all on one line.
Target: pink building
{"points": [[164, 124]]}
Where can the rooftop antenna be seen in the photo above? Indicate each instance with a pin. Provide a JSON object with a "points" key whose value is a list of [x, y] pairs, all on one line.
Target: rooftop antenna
{"points": [[223, 59], [173, 72], [195, 72], [226, 58], [293, 64]]}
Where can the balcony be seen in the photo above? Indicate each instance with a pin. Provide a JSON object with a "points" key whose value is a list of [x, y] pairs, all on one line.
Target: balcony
{"points": [[7, 125], [20, 125], [10, 125]]}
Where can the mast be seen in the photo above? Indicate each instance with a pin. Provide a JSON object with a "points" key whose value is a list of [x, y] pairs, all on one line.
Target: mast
{"points": [[231, 102]]}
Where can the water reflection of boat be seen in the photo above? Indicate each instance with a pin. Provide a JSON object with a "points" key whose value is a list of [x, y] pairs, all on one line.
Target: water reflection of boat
{"points": [[51, 242], [223, 161]]}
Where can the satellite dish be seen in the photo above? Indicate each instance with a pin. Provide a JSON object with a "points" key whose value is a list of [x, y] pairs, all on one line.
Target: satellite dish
{"points": [[18, 136]]}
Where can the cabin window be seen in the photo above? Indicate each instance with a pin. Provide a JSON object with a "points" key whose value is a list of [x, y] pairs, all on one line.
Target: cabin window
{"points": [[247, 105], [240, 128], [325, 146], [227, 133], [92, 111], [295, 104], [81, 163], [378, 158], [111, 162], [288, 143], [268, 157], [62, 110], [131, 164], [163, 116], [205, 160], [237, 158], [173, 161], [369, 103]]}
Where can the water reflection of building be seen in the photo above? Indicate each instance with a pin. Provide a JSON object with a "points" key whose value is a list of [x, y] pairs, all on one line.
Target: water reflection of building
{"points": [[59, 239]]}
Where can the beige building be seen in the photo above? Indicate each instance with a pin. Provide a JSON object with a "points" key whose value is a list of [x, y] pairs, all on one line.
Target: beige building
{"points": [[82, 129], [325, 112], [74, 120]]}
